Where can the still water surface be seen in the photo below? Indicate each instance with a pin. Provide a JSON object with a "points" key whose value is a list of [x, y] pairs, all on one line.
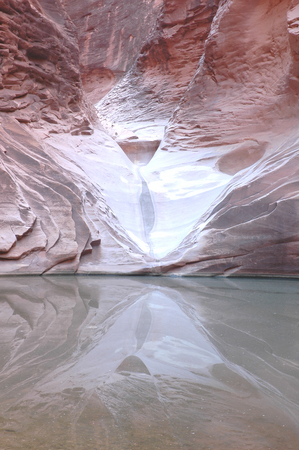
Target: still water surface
{"points": [[149, 363]]}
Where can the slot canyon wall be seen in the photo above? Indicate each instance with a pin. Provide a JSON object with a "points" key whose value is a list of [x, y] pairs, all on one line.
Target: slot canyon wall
{"points": [[149, 136]]}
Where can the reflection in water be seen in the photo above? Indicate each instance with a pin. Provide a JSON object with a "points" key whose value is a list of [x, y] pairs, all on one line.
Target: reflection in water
{"points": [[149, 363]]}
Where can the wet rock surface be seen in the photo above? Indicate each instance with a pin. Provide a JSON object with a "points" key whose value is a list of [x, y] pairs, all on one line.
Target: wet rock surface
{"points": [[189, 165]]}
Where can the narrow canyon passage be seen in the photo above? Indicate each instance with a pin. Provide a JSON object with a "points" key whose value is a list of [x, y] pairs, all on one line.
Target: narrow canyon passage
{"points": [[149, 224], [149, 136]]}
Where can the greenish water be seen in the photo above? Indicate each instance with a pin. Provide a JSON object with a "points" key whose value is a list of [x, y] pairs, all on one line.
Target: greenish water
{"points": [[148, 363]]}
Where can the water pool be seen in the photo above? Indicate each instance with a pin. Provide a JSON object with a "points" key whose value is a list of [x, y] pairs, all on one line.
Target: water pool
{"points": [[148, 363]]}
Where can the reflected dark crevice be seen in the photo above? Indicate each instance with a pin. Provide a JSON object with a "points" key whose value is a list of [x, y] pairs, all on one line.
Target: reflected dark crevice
{"points": [[149, 363]]}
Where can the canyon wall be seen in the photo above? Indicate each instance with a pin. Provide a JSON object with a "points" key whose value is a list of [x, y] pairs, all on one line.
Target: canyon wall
{"points": [[110, 35], [149, 137]]}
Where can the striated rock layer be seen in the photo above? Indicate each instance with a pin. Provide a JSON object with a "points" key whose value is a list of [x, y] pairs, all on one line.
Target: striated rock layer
{"points": [[190, 167], [110, 37], [39, 71], [166, 63]]}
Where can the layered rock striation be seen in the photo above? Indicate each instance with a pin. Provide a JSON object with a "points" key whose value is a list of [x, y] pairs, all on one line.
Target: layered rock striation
{"points": [[246, 98], [165, 65], [110, 36], [190, 165], [39, 71]]}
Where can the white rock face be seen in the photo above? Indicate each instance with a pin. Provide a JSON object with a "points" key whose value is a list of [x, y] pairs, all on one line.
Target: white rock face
{"points": [[155, 204], [181, 189]]}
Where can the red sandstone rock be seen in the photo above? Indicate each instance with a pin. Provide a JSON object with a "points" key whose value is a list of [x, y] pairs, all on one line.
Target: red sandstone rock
{"points": [[220, 194], [166, 64], [244, 93], [110, 37], [39, 63]]}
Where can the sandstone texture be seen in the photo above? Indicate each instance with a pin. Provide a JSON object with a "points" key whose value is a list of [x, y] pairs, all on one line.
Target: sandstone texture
{"points": [[165, 65], [156, 136], [110, 36], [39, 72]]}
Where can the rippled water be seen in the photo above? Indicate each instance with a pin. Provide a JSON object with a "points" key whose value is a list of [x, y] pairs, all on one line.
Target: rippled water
{"points": [[149, 363]]}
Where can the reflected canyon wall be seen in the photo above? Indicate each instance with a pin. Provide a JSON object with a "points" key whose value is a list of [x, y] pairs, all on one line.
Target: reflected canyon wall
{"points": [[149, 137], [147, 362]]}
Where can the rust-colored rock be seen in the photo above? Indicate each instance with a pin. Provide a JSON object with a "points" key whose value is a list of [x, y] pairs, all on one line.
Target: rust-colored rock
{"points": [[39, 70], [110, 37], [166, 64], [243, 102]]}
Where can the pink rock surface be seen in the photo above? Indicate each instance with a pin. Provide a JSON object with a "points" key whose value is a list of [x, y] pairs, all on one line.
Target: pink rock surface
{"points": [[165, 65], [244, 97], [110, 37], [219, 195], [39, 72]]}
